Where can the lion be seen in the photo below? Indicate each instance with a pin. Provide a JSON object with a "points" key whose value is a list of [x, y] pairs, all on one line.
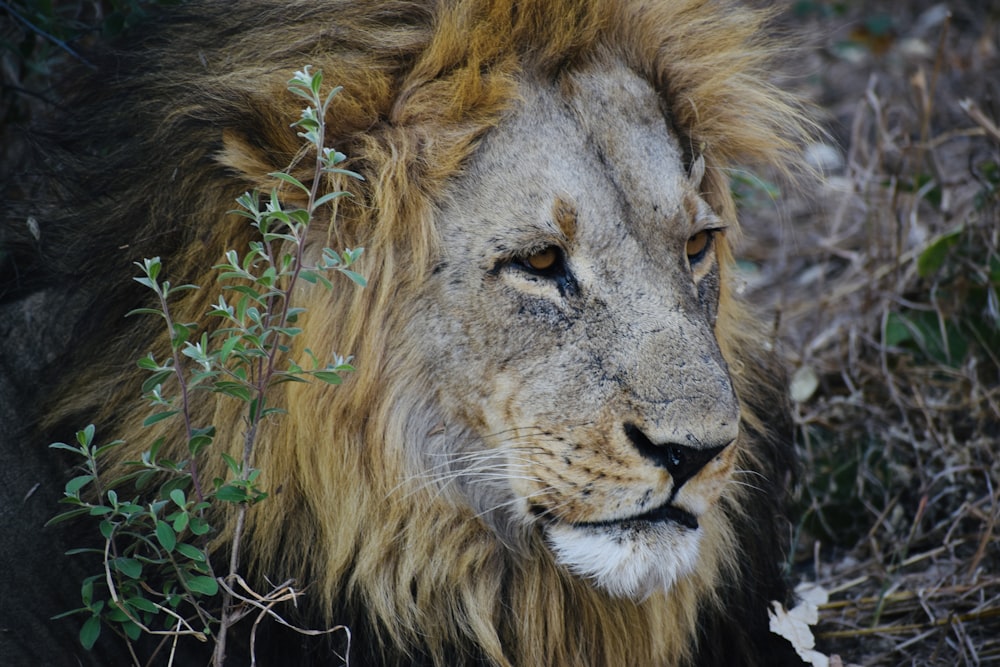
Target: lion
{"points": [[566, 441]]}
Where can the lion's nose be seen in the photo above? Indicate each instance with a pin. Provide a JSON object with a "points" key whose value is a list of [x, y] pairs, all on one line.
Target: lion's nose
{"points": [[682, 461]]}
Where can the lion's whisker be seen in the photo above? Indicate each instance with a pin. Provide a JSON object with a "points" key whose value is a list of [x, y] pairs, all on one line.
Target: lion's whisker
{"points": [[750, 472], [747, 485]]}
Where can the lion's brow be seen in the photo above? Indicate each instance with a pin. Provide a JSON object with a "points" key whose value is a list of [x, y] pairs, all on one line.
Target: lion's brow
{"points": [[564, 214]]}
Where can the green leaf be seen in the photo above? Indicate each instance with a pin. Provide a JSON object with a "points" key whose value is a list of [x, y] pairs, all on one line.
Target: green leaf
{"points": [[233, 465], [184, 288], [181, 334], [76, 552], [246, 290], [925, 332], [158, 417], [327, 377], [63, 445], [142, 604], [165, 535], [227, 348], [90, 631], [344, 172], [333, 93], [204, 585], [305, 94], [896, 331], [201, 376], [312, 278], [290, 332], [253, 407], [74, 485], [116, 613], [66, 516], [181, 522], [69, 613], [199, 526], [328, 197], [288, 178], [181, 482], [143, 311], [154, 380], [234, 389], [143, 479], [289, 377], [177, 495], [87, 591], [86, 436], [191, 552], [100, 451], [317, 82], [132, 631], [148, 363], [231, 494], [152, 266], [130, 567], [356, 277], [932, 258]]}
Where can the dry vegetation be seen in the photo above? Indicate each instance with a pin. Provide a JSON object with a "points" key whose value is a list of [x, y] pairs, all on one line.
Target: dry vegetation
{"points": [[884, 289]]}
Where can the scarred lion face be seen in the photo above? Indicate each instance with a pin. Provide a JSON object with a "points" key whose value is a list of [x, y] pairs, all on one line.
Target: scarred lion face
{"points": [[579, 269]]}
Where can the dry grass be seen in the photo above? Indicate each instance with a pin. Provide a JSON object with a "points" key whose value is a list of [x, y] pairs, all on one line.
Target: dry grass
{"points": [[884, 293]]}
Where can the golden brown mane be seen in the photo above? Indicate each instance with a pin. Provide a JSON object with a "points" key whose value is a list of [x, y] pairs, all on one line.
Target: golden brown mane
{"points": [[424, 82]]}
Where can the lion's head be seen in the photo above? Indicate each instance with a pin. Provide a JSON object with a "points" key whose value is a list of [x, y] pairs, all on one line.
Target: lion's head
{"points": [[554, 449], [569, 320]]}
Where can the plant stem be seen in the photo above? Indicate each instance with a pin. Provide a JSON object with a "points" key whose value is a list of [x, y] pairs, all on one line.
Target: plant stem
{"points": [[185, 405], [219, 655], [265, 373]]}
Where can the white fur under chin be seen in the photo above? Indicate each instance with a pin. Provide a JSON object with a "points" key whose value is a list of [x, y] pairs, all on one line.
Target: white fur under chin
{"points": [[631, 562]]}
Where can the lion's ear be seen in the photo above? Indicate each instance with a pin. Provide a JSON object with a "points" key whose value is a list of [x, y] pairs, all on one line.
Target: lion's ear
{"points": [[242, 158], [250, 164], [696, 174]]}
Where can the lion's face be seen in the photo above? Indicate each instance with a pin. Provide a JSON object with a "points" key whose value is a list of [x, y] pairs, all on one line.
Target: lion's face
{"points": [[578, 270]]}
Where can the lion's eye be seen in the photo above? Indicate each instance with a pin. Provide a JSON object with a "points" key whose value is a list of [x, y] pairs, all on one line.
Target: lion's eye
{"points": [[544, 259], [545, 265], [547, 261], [699, 245]]}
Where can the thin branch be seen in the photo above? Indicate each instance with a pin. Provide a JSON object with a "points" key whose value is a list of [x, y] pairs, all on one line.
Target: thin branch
{"points": [[38, 31]]}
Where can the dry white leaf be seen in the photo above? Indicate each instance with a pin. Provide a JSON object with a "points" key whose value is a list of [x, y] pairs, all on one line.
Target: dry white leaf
{"points": [[793, 624], [804, 384]]}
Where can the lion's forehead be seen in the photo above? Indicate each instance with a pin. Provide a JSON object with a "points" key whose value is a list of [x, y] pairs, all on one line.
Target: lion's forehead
{"points": [[598, 141], [598, 146]]}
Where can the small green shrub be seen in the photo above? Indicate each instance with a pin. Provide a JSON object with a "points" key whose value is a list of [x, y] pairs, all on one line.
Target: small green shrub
{"points": [[157, 576]]}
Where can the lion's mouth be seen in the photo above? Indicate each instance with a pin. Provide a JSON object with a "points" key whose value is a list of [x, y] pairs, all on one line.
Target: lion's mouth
{"points": [[665, 513], [668, 512]]}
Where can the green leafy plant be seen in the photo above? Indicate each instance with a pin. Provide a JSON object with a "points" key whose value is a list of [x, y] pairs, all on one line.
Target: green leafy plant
{"points": [[157, 576], [962, 311]]}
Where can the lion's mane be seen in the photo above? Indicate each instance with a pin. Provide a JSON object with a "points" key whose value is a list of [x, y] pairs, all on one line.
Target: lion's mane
{"points": [[195, 112]]}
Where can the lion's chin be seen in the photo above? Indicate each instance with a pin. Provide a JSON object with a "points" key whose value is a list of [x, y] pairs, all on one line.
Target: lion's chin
{"points": [[631, 559]]}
